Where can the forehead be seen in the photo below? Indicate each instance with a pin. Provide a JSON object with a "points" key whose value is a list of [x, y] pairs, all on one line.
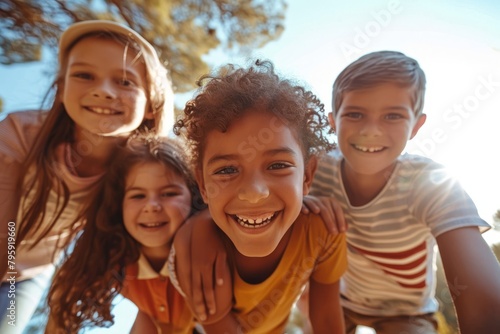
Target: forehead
{"points": [[387, 94], [150, 172], [255, 133], [105, 49]]}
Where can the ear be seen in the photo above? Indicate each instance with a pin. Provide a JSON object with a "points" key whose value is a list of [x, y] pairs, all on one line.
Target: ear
{"points": [[418, 124], [201, 185], [331, 120], [309, 171]]}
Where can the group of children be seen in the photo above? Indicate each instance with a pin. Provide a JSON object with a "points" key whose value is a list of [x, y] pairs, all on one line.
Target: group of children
{"points": [[250, 213]]}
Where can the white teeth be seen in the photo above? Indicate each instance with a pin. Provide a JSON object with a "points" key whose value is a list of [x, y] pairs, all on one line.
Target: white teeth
{"points": [[369, 149], [104, 111], [152, 224], [254, 223]]}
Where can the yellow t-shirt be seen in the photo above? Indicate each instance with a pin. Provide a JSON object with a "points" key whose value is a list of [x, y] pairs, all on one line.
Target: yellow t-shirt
{"points": [[312, 253]]}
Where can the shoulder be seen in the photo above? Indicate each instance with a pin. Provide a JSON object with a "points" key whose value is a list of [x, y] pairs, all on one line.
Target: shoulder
{"points": [[329, 251], [24, 118], [312, 228], [18, 131], [424, 171]]}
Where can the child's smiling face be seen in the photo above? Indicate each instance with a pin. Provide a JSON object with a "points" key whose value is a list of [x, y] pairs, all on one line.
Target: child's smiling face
{"points": [[253, 179], [104, 88], [373, 126], [156, 203]]}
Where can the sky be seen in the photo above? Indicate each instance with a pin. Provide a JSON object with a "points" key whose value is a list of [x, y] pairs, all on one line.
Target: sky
{"points": [[456, 42]]}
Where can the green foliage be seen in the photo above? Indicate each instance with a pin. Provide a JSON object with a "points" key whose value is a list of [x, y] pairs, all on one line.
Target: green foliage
{"points": [[183, 31]]}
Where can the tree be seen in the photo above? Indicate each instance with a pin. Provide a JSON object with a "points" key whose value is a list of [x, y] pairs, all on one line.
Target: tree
{"points": [[183, 31]]}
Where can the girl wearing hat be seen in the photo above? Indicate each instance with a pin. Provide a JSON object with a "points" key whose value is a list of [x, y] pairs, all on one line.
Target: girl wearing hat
{"points": [[110, 83]]}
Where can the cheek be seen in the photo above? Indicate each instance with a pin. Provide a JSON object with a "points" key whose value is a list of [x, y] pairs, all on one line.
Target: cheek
{"points": [[137, 102]]}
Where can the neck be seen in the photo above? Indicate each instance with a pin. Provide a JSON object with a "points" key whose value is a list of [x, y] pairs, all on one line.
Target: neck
{"points": [[255, 270], [91, 153], [361, 188], [156, 256]]}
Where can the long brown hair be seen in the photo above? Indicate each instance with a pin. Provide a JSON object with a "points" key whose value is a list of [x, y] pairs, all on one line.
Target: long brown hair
{"points": [[58, 128], [93, 273]]}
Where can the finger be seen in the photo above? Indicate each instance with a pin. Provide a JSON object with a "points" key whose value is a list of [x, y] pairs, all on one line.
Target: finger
{"points": [[339, 217], [209, 292], [305, 209], [312, 204], [329, 219], [221, 268], [197, 297]]}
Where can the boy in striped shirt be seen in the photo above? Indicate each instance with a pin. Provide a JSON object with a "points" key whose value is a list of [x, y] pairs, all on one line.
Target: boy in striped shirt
{"points": [[398, 207]]}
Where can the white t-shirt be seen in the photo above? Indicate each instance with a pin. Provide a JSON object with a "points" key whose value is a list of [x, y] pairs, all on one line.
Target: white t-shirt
{"points": [[391, 240]]}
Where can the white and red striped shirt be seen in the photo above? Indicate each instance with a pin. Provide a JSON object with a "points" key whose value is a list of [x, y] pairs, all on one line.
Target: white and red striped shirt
{"points": [[391, 240]]}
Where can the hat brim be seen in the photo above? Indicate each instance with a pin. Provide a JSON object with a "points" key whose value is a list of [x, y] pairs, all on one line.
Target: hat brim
{"points": [[77, 30]]}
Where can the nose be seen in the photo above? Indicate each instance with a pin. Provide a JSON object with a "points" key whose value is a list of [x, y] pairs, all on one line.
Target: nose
{"points": [[371, 128], [253, 188], [104, 90], [153, 205]]}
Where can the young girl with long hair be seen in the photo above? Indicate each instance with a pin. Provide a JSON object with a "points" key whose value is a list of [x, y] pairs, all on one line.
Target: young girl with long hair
{"points": [[110, 83], [146, 195]]}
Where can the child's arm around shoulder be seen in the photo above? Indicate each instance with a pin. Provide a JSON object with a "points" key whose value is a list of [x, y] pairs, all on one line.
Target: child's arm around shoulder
{"points": [[189, 269], [329, 209], [473, 276]]}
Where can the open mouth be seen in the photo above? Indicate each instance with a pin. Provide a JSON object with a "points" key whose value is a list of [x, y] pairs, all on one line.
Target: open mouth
{"points": [[366, 149], [103, 111], [153, 225], [260, 222]]}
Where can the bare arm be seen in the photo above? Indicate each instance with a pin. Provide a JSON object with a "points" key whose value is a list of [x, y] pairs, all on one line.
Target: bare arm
{"points": [[329, 209], [325, 311], [143, 324], [473, 276], [195, 274]]}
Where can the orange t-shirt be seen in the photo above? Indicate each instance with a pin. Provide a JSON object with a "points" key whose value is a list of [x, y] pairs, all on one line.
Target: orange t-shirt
{"points": [[154, 294]]}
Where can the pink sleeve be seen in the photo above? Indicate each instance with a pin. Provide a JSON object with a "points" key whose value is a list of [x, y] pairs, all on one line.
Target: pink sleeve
{"points": [[17, 133]]}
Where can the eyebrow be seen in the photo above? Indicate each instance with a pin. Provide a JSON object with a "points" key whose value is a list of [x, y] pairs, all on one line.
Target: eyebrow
{"points": [[356, 108], [269, 153], [169, 186], [121, 70]]}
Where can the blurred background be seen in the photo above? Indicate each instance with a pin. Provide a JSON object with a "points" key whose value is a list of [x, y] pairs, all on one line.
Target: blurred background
{"points": [[457, 43]]}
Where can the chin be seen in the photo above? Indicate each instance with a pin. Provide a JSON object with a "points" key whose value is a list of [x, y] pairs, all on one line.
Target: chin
{"points": [[255, 251]]}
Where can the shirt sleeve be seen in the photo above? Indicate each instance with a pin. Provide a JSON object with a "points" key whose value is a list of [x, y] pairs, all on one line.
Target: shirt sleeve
{"points": [[17, 134], [331, 261], [439, 200]]}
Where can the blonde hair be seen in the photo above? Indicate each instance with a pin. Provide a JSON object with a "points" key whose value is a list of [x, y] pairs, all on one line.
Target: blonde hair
{"points": [[377, 68]]}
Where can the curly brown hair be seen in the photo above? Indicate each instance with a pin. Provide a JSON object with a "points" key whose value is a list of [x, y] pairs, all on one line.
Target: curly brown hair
{"points": [[93, 273], [233, 91]]}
